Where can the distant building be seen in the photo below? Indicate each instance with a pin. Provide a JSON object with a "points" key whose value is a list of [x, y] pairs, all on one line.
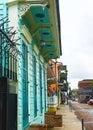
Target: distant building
{"points": [[85, 89]]}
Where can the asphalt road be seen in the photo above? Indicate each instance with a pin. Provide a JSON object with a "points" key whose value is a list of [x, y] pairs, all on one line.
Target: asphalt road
{"points": [[84, 112]]}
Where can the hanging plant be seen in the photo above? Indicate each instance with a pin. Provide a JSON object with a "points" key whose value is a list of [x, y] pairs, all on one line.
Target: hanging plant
{"points": [[52, 81]]}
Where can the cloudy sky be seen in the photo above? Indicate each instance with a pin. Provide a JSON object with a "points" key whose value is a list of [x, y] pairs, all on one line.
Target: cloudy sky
{"points": [[77, 39]]}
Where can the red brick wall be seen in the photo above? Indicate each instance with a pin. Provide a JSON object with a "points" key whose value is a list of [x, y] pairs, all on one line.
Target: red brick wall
{"points": [[84, 83]]}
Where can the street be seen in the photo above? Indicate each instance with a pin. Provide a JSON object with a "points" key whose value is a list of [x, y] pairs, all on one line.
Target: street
{"points": [[84, 112]]}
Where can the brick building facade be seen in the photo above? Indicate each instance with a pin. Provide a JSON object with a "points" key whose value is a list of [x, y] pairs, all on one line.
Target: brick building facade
{"points": [[85, 89]]}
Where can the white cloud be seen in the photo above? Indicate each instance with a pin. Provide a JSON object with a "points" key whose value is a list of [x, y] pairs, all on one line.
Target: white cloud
{"points": [[77, 38]]}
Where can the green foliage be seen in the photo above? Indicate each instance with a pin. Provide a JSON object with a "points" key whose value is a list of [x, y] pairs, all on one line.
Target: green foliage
{"points": [[52, 81], [70, 94], [91, 84], [66, 85]]}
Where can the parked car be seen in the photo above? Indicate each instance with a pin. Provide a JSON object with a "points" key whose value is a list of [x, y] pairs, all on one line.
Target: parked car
{"points": [[72, 98], [83, 100], [90, 102]]}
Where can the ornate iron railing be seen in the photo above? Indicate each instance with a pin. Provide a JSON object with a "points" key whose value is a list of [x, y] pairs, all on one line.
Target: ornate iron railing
{"points": [[8, 50]]}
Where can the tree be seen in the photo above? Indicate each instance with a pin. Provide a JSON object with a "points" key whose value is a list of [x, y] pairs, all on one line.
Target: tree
{"points": [[70, 94], [91, 84]]}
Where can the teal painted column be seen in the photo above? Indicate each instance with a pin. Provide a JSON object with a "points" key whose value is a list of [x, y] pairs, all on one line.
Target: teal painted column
{"points": [[4, 61], [20, 91], [20, 76], [3, 11]]}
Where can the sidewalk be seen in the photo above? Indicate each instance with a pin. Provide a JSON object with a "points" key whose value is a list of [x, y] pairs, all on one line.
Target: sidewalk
{"points": [[70, 121]]}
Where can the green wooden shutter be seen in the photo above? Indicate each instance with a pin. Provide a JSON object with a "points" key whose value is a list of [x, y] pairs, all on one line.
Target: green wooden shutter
{"points": [[25, 84], [41, 107], [35, 86]]}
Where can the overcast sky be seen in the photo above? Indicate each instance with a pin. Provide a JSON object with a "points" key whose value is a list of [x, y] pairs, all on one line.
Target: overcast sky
{"points": [[77, 39]]}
